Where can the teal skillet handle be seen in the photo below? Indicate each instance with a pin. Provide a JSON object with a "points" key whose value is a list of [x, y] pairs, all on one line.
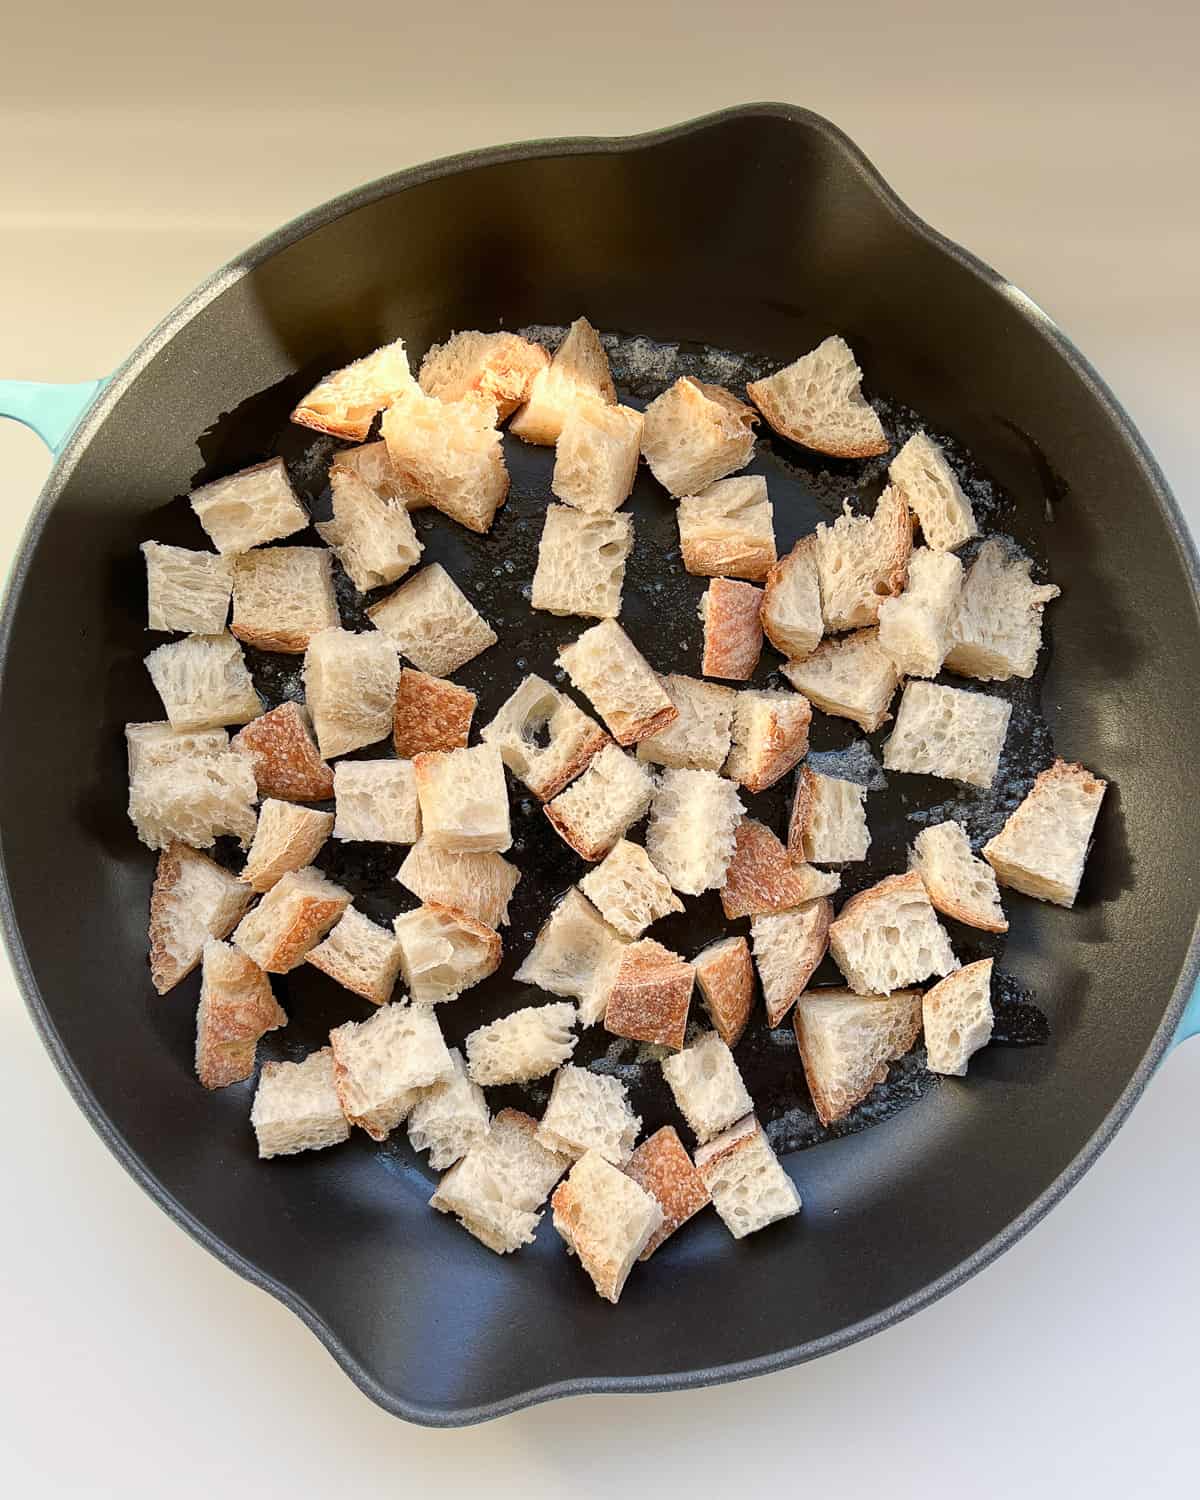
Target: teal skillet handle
{"points": [[1189, 1023], [52, 411]]}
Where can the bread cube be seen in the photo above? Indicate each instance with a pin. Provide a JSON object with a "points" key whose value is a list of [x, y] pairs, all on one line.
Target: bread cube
{"points": [[481, 885], [596, 457], [350, 686], [287, 838], [464, 799], [700, 737], [246, 509], [430, 714], [496, 1190], [622, 687], [186, 591], [850, 677], [380, 1064], [203, 682], [432, 622], [370, 463], [449, 451], [449, 1118], [444, 952], [236, 1008], [662, 1168], [345, 403], [928, 483], [597, 808], [788, 947], [749, 1187], [291, 919], [791, 605], [361, 956], [287, 763], [589, 1112], [732, 629], [997, 628], [957, 884], [707, 1086], [761, 877], [915, 627], [725, 979], [1042, 847], [828, 824], [282, 596], [377, 801], [846, 1042], [606, 1219], [627, 890], [522, 1046], [188, 787], [888, 937], [577, 954], [817, 401], [192, 901], [957, 1016], [581, 563], [943, 731], [373, 538], [650, 995], [149, 747], [692, 828], [296, 1107], [499, 366], [695, 434], [727, 530], [579, 372], [770, 735], [538, 711], [861, 560]]}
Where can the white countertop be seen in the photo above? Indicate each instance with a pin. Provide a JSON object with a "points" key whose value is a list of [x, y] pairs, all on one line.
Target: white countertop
{"points": [[137, 154]]}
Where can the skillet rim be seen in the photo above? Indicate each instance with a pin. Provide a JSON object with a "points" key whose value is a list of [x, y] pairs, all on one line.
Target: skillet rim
{"points": [[855, 162]]}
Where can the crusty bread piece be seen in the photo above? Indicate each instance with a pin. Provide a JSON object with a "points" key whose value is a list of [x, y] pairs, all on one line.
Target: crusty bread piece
{"points": [[691, 834], [186, 591], [296, 1107], [727, 530], [915, 627], [944, 731], [345, 403], [291, 919], [479, 884], [1042, 848], [791, 604], [373, 538], [627, 890], [246, 509], [370, 463], [432, 622], [444, 952], [651, 995], [534, 711], [236, 1008], [589, 1112], [596, 458], [725, 977], [430, 714], [770, 735], [203, 682], [788, 946], [596, 810], [817, 401], [464, 799], [449, 1117], [620, 683], [957, 1016], [861, 560], [707, 1086], [732, 629], [605, 1219], [888, 937], [578, 371], [361, 956], [350, 686], [377, 801], [828, 824], [522, 1046], [188, 787], [662, 1168], [700, 737], [695, 434], [287, 763], [748, 1186], [928, 483], [846, 1042], [761, 877], [581, 563], [287, 838], [850, 677], [958, 884], [380, 1064], [577, 954], [192, 900], [997, 626], [282, 596], [450, 452], [500, 366], [496, 1190]]}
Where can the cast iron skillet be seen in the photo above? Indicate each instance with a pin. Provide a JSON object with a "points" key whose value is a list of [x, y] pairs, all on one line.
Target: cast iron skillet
{"points": [[808, 240]]}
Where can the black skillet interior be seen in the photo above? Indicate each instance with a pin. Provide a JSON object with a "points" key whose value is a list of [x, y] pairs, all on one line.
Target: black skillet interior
{"points": [[808, 242]]}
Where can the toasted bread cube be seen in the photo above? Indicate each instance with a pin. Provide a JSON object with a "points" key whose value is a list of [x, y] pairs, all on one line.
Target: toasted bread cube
{"points": [[291, 919], [350, 684], [928, 483], [479, 884], [345, 403], [149, 747], [203, 682], [957, 1017], [997, 627], [287, 838], [188, 787], [761, 877], [770, 735], [287, 763], [850, 677], [444, 952], [581, 563], [846, 1042], [727, 530], [449, 451], [538, 710], [662, 1168], [817, 401], [500, 366], [958, 884], [249, 508], [612, 673], [577, 954], [606, 1219], [449, 1118], [370, 463], [296, 1107], [791, 608], [597, 809], [749, 1187], [186, 591], [828, 824], [650, 995], [691, 834], [433, 623], [596, 458], [725, 978], [377, 801], [430, 714], [373, 538], [1042, 848], [282, 596], [578, 372], [888, 937], [861, 560], [915, 627], [707, 1086], [627, 890], [236, 1008], [193, 900], [788, 946], [361, 956], [943, 731], [732, 629], [589, 1112], [464, 799], [522, 1046], [496, 1190], [381, 1064], [700, 737], [695, 434]]}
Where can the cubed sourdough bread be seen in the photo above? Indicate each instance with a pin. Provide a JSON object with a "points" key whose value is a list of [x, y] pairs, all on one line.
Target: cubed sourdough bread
{"points": [[662, 1168], [282, 596], [373, 538], [695, 434], [610, 671], [497, 1188], [650, 995], [597, 808], [699, 739], [817, 401], [380, 1064], [749, 1188], [958, 884], [464, 800], [537, 712], [627, 890], [576, 954], [296, 1107], [345, 403], [581, 563], [192, 901], [725, 979], [361, 956], [727, 530], [691, 834], [186, 591], [444, 952], [997, 627], [370, 463], [928, 483], [770, 736], [888, 937], [203, 682], [449, 1118], [449, 451], [236, 1008], [430, 714], [596, 458], [188, 788], [605, 1219], [479, 884], [151, 746], [791, 606], [578, 372], [762, 878], [287, 838], [732, 629], [944, 731], [1042, 848], [828, 823], [850, 677], [249, 508], [287, 763], [589, 1112], [788, 946], [846, 1042], [432, 622], [377, 801], [291, 918], [500, 366], [861, 560], [915, 627], [522, 1046], [957, 1016], [350, 687], [707, 1086]]}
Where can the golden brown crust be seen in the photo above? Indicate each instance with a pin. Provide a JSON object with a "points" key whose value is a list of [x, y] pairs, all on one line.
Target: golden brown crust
{"points": [[234, 1012], [355, 428], [761, 877], [725, 975], [941, 899], [578, 763], [806, 963], [642, 729], [165, 970], [651, 995], [776, 577], [711, 557], [661, 1167], [802, 806], [311, 918], [430, 714], [732, 629], [785, 743], [290, 642], [569, 835], [488, 936], [287, 763]]}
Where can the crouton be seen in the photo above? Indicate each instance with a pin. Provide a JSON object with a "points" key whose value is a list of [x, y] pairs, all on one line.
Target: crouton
{"points": [[236, 1008], [888, 937], [627, 890], [725, 978], [203, 682], [449, 1117], [291, 919], [596, 459], [377, 801], [500, 366], [576, 954], [370, 463], [345, 403], [186, 591], [817, 401], [380, 1064], [691, 834], [497, 1188], [450, 452], [700, 737], [707, 1086], [1042, 847], [522, 1046], [361, 956], [534, 711], [943, 731], [748, 1186], [464, 799], [727, 530], [296, 1107], [282, 596], [662, 1168], [578, 371], [287, 838], [430, 714], [770, 735], [828, 825], [287, 763], [761, 877], [597, 809], [249, 508], [732, 629], [788, 946], [861, 560], [650, 995], [612, 673], [373, 538], [957, 1016], [928, 483], [479, 884], [350, 685], [192, 900], [589, 1112], [188, 786], [915, 627], [846, 1042], [791, 603], [581, 563], [957, 884], [432, 622], [605, 1219], [444, 952], [997, 627], [850, 677], [695, 434]]}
